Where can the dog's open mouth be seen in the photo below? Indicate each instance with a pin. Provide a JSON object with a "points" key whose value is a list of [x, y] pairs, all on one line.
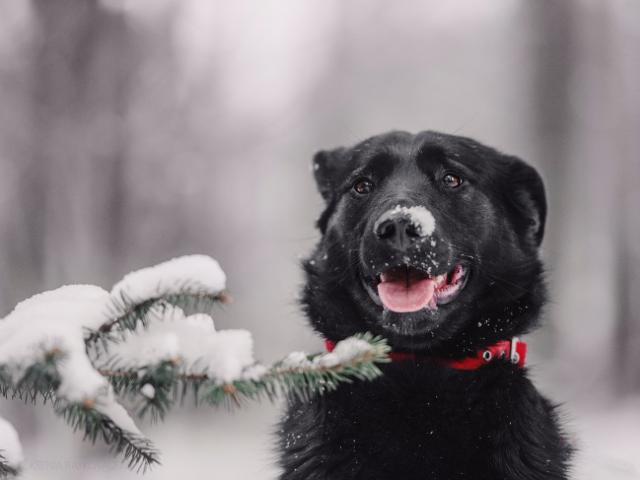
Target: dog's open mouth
{"points": [[407, 289]]}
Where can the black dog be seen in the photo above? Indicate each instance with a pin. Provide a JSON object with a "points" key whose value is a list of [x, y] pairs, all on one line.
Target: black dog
{"points": [[431, 241]]}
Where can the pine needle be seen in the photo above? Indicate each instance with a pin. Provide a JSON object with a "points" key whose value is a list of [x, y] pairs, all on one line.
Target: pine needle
{"points": [[7, 470], [138, 452]]}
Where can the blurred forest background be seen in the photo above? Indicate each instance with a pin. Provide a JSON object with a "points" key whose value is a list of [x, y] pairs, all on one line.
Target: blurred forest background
{"points": [[134, 131]]}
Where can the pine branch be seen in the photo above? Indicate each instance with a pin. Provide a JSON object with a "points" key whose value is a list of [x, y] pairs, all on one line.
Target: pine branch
{"points": [[304, 379], [137, 451], [10, 450], [126, 314], [7, 470], [42, 379], [5, 381], [168, 386], [159, 345], [39, 380]]}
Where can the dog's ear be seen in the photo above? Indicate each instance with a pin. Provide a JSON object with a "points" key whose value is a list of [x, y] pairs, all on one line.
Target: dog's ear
{"points": [[328, 169], [527, 197]]}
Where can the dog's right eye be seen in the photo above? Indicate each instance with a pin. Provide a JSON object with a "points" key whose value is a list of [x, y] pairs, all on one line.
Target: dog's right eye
{"points": [[451, 180], [362, 186]]}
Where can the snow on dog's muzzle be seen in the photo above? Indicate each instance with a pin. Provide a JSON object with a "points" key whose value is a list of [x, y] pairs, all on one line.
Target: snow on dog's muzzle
{"points": [[415, 222]]}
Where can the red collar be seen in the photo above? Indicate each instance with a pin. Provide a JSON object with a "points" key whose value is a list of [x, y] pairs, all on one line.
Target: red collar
{"points": [[512, 350]]}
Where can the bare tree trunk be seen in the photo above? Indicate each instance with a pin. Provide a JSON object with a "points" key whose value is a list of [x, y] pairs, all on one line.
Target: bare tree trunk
{"points": [[588, 128], [81, 76], [552, 35], [627, 348]]}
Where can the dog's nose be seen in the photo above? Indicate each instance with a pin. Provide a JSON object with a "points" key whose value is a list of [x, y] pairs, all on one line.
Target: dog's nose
{"points": [[399, 231]]}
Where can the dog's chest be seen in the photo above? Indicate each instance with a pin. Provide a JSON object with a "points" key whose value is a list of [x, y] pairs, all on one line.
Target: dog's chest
{"points": [[435, 425]]}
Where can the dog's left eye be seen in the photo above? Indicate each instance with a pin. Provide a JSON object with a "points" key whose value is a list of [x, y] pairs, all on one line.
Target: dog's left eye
{"points": [[363, 186], [451, 180]]}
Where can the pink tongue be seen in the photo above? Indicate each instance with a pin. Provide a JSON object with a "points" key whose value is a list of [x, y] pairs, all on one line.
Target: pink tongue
{"points": [[397, 296]]}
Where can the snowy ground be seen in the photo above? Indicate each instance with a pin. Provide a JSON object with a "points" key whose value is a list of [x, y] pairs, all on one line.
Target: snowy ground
{"points": [[211, 443], [208, 443], [608, 438]]}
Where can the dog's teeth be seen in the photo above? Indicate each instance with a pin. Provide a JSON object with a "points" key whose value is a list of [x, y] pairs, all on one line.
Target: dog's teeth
{"points": [[383, 277]]}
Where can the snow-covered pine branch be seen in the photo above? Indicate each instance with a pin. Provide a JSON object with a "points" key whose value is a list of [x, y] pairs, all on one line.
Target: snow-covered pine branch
{"points": [[193, 283], [157, 386], [151, 340], [10, 450], [43, 354]]}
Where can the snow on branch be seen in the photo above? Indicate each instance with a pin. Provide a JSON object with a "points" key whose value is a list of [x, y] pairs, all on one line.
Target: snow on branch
{"points": [[193, 282], [10, 450], [43, 353], [152, 340], [49, 326]]}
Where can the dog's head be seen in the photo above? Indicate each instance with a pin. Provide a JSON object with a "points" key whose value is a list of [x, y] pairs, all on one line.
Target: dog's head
{"points": [[430, 240]]}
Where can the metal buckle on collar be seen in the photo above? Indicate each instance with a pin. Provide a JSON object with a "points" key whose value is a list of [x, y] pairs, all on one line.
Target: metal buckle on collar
{"points": [[514, 356]]}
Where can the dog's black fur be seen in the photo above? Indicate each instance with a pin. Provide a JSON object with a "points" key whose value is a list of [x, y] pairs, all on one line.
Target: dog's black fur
{"points": [[422, 419]]}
